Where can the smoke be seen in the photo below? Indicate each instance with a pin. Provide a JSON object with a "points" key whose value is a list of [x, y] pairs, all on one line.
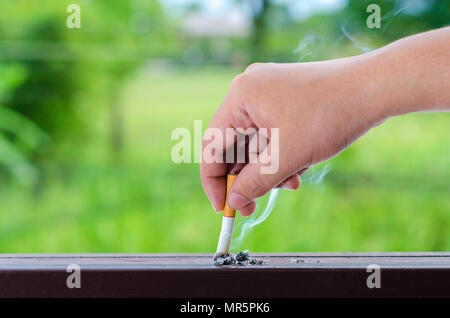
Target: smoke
{"points": [[360, 46], [264, 207], [388, 18], [309, 45], [315, 175], [266, 204], [386, 21]]}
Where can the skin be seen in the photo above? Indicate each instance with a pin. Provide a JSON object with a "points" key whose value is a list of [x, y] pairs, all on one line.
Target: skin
{"points": [[322, 107]]}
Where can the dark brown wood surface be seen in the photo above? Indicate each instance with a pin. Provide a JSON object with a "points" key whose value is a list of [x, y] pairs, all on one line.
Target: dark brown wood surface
{"points": [[194, 275]]}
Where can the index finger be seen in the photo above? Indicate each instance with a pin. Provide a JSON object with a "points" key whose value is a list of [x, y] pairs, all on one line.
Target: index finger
{"points": [[213, 172]]}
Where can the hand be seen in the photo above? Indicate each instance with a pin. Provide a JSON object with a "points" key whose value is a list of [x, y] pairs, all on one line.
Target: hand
{"points": [[320, 108]]}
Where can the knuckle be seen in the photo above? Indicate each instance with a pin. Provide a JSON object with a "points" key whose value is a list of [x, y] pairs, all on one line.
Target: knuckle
{"points": [[253, 66], [239, 81], [249, 78]]}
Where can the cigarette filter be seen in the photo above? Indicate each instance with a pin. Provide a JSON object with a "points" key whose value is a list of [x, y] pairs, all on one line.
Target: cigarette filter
{"points": [[227, 223]]}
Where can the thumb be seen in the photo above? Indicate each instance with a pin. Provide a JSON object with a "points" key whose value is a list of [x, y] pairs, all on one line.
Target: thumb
{"points": [[251, 183]]}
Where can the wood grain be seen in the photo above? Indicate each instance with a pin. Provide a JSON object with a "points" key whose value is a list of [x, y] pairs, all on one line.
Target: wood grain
{"points": [[194, 275]]}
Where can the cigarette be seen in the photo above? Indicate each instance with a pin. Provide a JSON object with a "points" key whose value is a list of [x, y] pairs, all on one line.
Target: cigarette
{"points": [[227, 223]]}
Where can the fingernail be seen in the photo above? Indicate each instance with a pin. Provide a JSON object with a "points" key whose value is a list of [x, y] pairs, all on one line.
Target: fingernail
{"points": [[215, 209], [237, 201], [287, 186]]}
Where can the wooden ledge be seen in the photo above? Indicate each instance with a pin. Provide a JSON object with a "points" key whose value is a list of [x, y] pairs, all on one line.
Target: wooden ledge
{"points": [[194, 275]]}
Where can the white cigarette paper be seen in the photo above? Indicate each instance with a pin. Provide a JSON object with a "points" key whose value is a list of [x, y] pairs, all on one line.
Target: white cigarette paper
{"points": [[225, 235]]}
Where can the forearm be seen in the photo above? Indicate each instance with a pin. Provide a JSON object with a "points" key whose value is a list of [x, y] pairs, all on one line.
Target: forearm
{"points": [[412, 74]]}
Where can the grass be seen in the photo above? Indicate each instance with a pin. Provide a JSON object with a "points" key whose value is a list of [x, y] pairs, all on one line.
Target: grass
{"points": [[387, 192]]}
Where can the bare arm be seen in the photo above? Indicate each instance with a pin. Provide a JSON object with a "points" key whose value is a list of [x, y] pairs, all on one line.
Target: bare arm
{"points": [[413, 73], [320, 108]]}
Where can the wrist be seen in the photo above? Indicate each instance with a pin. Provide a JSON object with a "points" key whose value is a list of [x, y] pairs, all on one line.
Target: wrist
{"points": [[384, 91], [372, 92]]}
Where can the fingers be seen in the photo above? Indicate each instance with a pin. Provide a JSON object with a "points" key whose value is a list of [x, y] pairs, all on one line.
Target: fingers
{"points": [[294, 181], [213, 167], [215, 187], [291, 183], [247, 207], [251, 184], [213, 172]]}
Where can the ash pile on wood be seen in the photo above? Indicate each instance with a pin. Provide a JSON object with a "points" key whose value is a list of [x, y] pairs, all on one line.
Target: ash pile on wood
{"points": [[240, 259]]}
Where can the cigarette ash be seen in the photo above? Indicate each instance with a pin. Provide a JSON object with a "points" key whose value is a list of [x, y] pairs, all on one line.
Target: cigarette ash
{"points": [[240, 259]]}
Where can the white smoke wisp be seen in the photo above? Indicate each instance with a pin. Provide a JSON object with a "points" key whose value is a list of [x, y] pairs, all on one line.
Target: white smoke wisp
{"points": [[316, 175], [386, 21], [266, 204], [263, 209], [389, 17], [360, 46], [308, 46]]}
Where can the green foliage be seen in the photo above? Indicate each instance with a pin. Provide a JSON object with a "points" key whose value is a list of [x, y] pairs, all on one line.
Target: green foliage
{"points": [[67, 95], [20, 138], [388, 192], [47, 94]]}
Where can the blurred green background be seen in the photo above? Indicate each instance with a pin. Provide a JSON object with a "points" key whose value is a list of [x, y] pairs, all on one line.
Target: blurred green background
{"points": [[86, 117]]}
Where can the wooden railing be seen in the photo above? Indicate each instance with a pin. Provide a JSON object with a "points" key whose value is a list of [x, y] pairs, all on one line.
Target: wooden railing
{"points": [[194, 275]]}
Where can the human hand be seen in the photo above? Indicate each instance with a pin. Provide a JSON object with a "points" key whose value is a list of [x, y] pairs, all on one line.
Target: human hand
{"points": [[320, 108]]}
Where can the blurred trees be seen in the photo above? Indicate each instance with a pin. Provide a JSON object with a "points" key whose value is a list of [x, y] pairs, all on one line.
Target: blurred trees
{"points": [[260, 14], [20, 138], [48, 93], [57, 66], [62, 127], [50, 71], [399, 18]]}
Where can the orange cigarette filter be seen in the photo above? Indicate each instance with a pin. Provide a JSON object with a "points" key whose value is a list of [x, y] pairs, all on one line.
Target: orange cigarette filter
{"points": [[227, 211]]}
